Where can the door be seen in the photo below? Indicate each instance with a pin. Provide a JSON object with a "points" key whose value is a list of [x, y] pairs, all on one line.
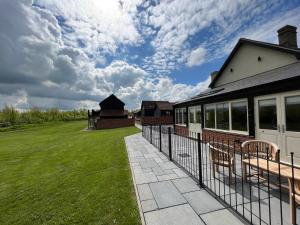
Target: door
{"points": [[195, 121], [290, 127], [277, 119]]}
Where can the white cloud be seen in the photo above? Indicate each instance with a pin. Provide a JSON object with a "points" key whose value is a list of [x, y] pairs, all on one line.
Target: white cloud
{"points": [[73, 53], [196, 57]]}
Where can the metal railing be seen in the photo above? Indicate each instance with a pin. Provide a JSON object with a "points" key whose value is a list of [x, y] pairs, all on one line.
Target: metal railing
{"points": [[256, 184]]}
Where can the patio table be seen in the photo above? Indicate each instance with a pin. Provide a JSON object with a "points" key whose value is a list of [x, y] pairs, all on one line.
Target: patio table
{"points": [[273, 168]]}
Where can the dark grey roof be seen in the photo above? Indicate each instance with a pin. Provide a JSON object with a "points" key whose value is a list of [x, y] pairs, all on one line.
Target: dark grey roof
{"points": [[278, 74]]}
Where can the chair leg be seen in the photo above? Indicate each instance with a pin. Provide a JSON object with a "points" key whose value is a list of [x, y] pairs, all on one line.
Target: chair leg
{"points": [[292, 210], [245, 172], [261, 173], [214, 171], [230, 175], [292, 203]]}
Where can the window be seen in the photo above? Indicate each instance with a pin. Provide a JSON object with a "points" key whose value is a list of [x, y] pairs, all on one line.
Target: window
{"points": [[239, 116], [210, 116], [180, 116], [180, 120], [229, 116], [222, 116], [267, 114], [192, 115], [176, 116], [184, 115], [198, 114], [292, 113]]}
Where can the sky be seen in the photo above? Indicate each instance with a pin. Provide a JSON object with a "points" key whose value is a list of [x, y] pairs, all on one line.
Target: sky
{"points": [[71, 54]]}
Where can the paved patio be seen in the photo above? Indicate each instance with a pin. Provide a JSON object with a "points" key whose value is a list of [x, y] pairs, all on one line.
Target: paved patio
{"points": [[167, 195]]}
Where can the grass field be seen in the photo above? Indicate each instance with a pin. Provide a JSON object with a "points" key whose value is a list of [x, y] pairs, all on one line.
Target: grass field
{"points": [[58, 174]]}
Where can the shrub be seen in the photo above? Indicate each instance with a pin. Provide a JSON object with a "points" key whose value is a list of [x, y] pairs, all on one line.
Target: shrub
{"points": [[9, 115]]}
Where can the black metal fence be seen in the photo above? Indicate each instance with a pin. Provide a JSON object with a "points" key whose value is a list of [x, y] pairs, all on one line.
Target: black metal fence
{"points": [[248, 177]]}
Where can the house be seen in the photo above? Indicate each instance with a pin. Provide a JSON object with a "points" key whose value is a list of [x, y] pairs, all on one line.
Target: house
{"points": [[255, 94], [156, 113], [111, 114]]}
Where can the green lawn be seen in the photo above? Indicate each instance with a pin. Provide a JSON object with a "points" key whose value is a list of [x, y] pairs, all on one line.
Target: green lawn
{"points": [[58, 174]]}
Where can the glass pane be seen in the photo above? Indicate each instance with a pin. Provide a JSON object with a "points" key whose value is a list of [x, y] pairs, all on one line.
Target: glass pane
{"points": [[191, 115], [292, 113], [176, 116], [180, 116], [210, 116], [222, 116], [184, 115], [267, 114], [239, 116], [198, 114]]}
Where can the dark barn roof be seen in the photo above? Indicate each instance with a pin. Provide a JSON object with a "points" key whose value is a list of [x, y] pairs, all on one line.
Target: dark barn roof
{"points": [[294, 51], [162, 105], [112, 102]]}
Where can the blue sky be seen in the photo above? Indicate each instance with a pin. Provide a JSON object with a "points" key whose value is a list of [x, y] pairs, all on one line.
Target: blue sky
{"points": [[73, 53]]}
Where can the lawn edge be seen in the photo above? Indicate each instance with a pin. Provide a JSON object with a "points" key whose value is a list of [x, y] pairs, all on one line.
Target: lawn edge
{"points": [[135, 185]]}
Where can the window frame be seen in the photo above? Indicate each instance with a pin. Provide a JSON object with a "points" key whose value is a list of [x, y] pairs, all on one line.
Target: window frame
{"points": [[180, 112], [230, 130]]}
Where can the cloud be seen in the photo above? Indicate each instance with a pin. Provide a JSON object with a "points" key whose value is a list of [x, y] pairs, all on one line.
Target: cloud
{"points": [[196, 57], [74, 53]]}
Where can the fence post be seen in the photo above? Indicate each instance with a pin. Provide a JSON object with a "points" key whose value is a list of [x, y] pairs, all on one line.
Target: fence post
{"points": [[199, 160], [170, 143], [151, 134], [160, 138]]}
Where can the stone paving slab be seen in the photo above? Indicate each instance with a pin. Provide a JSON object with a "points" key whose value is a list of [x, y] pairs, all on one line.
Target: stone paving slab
{"points": [[166, 194], [177, 215], [186, 185], [221, 217], [207, 204]]}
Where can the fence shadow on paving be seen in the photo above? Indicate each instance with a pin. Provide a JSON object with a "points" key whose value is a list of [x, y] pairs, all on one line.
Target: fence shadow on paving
{"points": [[233, 173]]}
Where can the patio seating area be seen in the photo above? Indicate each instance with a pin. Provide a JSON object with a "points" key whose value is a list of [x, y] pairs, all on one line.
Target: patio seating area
{"points": [[249, 178]]}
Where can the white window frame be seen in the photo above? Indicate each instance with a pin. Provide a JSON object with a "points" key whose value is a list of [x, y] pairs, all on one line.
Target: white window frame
{"points": [[182, 116], [194, 109], [230, 119]]}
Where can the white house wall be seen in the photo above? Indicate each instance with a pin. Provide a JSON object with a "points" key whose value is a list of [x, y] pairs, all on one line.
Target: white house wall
{"points": [[245, 63]]}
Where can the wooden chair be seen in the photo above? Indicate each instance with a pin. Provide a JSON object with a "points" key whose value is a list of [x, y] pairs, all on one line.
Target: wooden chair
{"points": [[261, 149], [221, 155]]}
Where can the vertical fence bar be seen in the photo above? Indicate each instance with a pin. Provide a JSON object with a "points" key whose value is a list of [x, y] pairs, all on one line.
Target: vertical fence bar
{"points": [[250, 185], [151, 134], [280, 191], [243, 171], [258, 183], [269, 197], [170, 143], [160, 138], [229, 171], [294, 215], [199, 160]]}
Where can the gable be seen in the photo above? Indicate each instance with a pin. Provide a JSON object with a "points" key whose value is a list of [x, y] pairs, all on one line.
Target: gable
{"points": [[244, 63], [112, 102]]}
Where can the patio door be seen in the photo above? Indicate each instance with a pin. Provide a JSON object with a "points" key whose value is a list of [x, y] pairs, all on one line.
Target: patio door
{"points": [[278, 121], [195, 120]]}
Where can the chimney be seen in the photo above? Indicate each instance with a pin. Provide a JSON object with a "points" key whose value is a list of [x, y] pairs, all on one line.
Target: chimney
{"points": [[213, 75], [287, 36]]}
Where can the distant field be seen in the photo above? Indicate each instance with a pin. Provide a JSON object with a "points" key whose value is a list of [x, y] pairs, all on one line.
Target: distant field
{"points": [[58, 174]]}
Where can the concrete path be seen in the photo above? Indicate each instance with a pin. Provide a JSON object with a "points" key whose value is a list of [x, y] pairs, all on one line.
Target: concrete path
{"points": [[166, 194]]}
